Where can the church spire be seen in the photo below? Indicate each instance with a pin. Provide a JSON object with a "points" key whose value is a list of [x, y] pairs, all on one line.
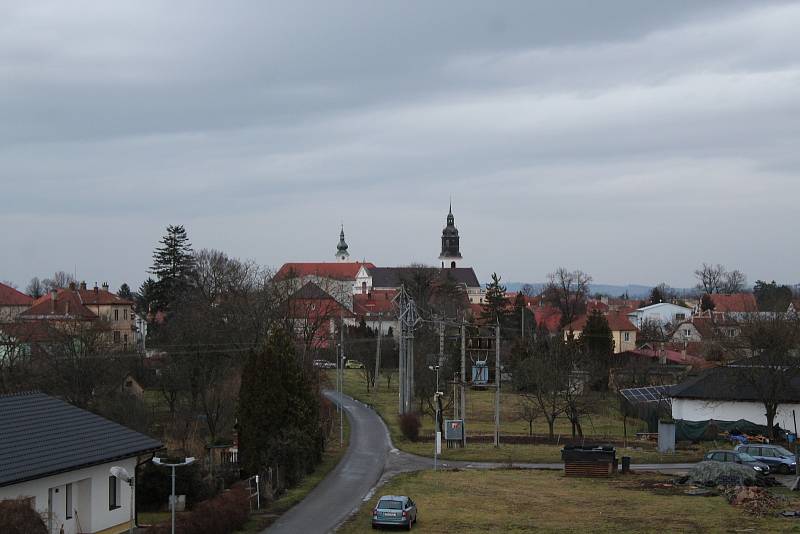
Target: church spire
{"points": [[450, 254], [341, 248]]}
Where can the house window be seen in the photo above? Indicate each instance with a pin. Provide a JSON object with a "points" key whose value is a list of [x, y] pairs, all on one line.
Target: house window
{"points": [[125, 338], [680, 316], [125, 314], [116, 336], [732, 332], [68, 501], [363, 288], [116, 315], [113, 493], [687, 332], [627, 336]]}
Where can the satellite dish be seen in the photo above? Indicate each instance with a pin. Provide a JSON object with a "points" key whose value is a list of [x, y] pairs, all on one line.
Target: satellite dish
{"points": [[120, 472]]}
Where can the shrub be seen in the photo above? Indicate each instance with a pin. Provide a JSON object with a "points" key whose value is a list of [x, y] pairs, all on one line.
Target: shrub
{"points": [[409, 426], [155, 485], [223, 514], [18, 517]]}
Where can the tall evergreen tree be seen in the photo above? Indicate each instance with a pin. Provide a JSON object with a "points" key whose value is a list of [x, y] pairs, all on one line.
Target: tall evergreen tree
{"points": [[655, 296], [173, 265], [496, 305], [596, 337], [278, 412], [125, 292]]}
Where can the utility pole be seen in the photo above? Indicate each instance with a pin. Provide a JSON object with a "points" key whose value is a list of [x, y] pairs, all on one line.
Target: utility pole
{"points": [[401, 369], [463, 398], [497, 385], [341, 389], [441, 342], [378, 351]]}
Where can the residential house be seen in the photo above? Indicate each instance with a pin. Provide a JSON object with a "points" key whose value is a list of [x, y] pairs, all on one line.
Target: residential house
{"points": [[377, 309], [736, 305], [12, 303], [59, 457], [391, 278], [721, 394], [315, 314], [60, 309], [663, 313], [623, 332]]}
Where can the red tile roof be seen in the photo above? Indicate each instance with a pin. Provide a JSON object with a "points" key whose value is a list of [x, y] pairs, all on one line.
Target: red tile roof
{"points": [[333, 270], [101, 297], [67, 304], [673, 356], [549, 316], [11, 297], [617, 322], [738, 302], [374, 302]]}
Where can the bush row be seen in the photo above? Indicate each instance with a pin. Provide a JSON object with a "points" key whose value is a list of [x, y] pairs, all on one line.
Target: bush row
{"points": [[223, 514]]}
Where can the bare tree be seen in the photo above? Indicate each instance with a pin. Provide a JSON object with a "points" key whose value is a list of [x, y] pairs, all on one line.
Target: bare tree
{"points": [[528, 410], [768, 365], [733, 282], [60, 280], [567, 290], [542, 376], [710, 278], [35, 288]]}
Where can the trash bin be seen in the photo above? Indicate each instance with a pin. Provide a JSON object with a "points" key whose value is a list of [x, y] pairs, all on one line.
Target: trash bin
{"points": [[626, 464]]}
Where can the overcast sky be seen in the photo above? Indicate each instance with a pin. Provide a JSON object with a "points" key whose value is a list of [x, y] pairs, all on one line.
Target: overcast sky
{"points": [[633, 140]]}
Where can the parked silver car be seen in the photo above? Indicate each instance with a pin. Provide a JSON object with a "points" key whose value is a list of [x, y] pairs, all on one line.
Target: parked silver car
{"points": [[394, 510]]}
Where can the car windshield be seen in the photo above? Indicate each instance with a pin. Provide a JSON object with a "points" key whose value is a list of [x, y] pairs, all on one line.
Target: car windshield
{"points": [[746, 457], [781, 451], [386, 504]]}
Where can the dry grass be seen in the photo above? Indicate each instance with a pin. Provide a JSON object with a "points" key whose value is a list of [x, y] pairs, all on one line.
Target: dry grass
{"points": [[466, 502], [604, 421]]}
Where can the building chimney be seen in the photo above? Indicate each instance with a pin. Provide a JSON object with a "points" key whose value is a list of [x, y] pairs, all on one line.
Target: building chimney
{"points": [[95, 287], [83, 285], [72, 286], [53, 295], [66, 307], [105, 286]]}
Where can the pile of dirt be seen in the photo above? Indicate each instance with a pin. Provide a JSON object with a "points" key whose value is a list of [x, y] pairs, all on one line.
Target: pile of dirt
{"points": [[712, 474], [753, 500]]}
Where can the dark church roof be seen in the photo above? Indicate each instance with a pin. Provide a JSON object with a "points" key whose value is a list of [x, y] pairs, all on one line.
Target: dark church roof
{"points": [[392, 277], [42, 435]]}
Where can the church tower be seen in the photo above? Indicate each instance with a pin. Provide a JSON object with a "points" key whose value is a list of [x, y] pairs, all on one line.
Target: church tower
{"points": [[341, 248], [450, 254]]}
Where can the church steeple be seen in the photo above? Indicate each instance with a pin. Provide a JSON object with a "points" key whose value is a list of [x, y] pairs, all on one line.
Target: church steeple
{"points": [[341, 248], [450, 254]]}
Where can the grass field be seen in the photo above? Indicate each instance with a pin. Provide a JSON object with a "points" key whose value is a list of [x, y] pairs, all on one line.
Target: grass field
{"points": [[604, 421], [466, 502]]}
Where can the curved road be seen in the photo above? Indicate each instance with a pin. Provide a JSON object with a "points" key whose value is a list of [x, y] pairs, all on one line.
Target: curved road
{"points": [[343, 490], [369, 461]]}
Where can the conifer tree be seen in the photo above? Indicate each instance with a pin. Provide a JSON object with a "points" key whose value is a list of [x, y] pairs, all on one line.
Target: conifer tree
{"points": [[278, 412], [496, 305], [173, 265]]}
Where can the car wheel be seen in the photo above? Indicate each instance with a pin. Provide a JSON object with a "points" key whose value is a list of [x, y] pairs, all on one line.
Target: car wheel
{"points": [[784, 469]]}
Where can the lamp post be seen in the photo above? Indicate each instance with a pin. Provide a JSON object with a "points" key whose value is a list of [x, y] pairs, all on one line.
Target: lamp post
{"points": [[187, 461], [437, 434], [122, 473]]}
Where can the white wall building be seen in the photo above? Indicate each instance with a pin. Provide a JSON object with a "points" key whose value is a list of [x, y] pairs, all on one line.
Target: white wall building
{"points": [[728, 394], [59, 458], [663, 312]]}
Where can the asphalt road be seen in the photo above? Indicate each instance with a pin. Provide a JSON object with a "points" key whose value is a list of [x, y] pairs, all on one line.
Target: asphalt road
{"points": [[371, 460], [344, 489]]}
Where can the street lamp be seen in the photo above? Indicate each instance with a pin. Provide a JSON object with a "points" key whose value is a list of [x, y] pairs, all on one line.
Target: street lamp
{"points": [[184, 463], [438, 440], [122, 473]]}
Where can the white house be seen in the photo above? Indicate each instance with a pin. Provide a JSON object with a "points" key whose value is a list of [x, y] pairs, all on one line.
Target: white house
{"points": [[663, 313], [58, 457], [721, 394]]}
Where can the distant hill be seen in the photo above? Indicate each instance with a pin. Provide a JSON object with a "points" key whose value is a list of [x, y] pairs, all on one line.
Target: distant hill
{"points": [[634, 291]]}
